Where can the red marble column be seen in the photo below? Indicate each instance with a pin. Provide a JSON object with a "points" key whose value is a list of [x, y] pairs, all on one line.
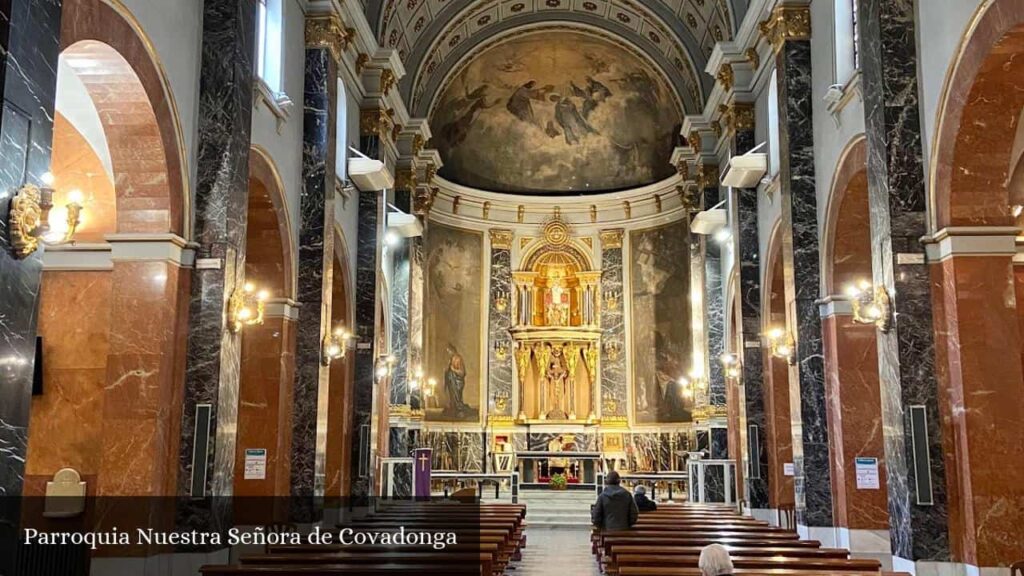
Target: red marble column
{"points": [[978, 352], [855, 421], [780, 432]]}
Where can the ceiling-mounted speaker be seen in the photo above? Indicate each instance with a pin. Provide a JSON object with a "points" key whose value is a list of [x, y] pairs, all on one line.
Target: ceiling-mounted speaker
{"points": [[405, 225], [707, 222]]}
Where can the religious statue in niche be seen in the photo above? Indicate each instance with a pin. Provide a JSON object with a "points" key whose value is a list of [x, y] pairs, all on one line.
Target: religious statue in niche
{"points": [[556, 301], [557, 375], [454, 385]]}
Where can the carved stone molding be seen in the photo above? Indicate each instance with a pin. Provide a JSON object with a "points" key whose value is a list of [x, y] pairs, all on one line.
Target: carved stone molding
{"points": [[786, 23]]}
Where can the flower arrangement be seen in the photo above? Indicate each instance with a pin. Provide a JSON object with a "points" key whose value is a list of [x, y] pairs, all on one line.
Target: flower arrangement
{"points": [[558, 482]]}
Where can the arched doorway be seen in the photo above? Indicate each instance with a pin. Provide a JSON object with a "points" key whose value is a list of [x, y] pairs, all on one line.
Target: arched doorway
{"points": [[851, 353], [975, 296], [268, 350], [776, 384], [113, 309]]}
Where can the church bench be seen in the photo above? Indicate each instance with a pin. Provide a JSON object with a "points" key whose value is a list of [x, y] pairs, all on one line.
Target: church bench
{"points": [[623, 561], [496, 549], [603, 547], [340, 570], [484, 560], [694, 571], [790, 552]]}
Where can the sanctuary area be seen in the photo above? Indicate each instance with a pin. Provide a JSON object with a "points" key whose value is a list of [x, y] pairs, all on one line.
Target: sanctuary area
{"points": [[371, 287]]}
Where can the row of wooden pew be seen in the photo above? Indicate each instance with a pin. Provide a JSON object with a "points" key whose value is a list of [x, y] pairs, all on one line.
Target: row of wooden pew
{"points": [[489, 536], [669, 540]]}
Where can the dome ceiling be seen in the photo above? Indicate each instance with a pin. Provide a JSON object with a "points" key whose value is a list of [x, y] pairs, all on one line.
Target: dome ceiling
{"points": [[556, 110]]}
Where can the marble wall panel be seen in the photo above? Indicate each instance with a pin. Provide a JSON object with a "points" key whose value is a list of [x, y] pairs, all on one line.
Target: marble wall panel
{"points": [[614, 390], [458, 451], [584, 442], [719, 448], [366, 342], [499, 372], [714, 308], [400, 281]]}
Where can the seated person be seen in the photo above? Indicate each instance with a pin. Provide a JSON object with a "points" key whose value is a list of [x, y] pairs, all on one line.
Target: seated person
{"points": [[643, 503], [615, 508], [715, 561]]}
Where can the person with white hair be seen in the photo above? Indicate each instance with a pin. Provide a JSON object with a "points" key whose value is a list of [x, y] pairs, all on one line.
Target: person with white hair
{"points": [[715, 561], [643, 503]]}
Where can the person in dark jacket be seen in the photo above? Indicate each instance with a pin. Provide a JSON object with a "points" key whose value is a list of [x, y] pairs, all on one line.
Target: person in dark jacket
{"points": [[643, 503], [615, 508]]}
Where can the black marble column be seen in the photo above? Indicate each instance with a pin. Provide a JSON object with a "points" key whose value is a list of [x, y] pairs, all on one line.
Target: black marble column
{"points": [[614, 391], [221, 194], [499, 372], [399, 311], [29, 47], [748, 258], [315, 280], [714, 292], [812, 479], [898, 200]]}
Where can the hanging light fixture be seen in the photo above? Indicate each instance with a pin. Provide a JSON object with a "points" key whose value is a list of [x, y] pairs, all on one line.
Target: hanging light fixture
{"points": [[32, 218], [731, 365], [245, 307]]}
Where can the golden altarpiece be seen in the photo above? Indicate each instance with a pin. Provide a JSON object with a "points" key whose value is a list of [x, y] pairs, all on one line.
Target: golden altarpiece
{"points": [[556, 330]]}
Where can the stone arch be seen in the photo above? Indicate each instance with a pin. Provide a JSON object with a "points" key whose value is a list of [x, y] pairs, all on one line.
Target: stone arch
{"points": [[846, 252], [977, 121], [267, 197], [108, 51]]}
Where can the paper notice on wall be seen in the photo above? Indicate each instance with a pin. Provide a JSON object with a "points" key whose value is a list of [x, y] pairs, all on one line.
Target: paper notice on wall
{"points": [[788, 469], [867, 473], [255, 464]]}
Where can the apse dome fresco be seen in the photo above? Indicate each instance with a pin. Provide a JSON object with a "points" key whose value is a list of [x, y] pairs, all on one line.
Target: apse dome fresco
{"points": [[556, 112]]}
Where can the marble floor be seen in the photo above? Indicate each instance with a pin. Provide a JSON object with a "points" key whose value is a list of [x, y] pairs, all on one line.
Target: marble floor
{"points": [[561, 551]]}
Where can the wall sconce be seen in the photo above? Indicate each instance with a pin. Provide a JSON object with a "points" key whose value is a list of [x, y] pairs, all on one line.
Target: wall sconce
{"points": [[781, 345], [335, 345], [501, 350], [611, 300], [430, 389], [501, 401], [731, 365], [685, 387], [29, 218], [501, 300], [871, 304], [245, 307], [612, 349], [385, 365], [414, 382]]}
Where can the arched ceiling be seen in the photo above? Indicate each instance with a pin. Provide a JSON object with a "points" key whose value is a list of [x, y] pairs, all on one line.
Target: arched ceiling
{"points": [[433, 36]]}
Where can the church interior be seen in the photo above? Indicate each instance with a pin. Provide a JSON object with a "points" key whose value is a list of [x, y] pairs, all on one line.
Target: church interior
{"points": [[295, 264]]}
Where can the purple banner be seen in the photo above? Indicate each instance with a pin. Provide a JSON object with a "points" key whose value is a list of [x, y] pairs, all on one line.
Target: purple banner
{"points": [[422, 464]]}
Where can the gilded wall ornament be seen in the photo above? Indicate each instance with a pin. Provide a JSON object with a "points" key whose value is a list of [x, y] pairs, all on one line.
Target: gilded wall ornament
{"points": [[387, 81], [328, 31], [26, 215], [556, 232], [707, 176], [694, 139], [742, 114], [501, 239], [726, 76], [611, 238], [786, 23], [753, 57], [487, 210]]}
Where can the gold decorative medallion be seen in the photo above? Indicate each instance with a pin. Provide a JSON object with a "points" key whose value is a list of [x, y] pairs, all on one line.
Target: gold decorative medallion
{"points": [[556, 232], [26, 216]]}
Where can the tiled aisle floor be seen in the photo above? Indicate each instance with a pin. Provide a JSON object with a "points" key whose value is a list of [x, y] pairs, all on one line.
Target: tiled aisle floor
{"points": [[557, 552]]}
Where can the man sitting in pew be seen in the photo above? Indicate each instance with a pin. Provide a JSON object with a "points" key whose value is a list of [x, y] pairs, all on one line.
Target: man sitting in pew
{"points": [[615, 508], [715, 561], [643, 503]]}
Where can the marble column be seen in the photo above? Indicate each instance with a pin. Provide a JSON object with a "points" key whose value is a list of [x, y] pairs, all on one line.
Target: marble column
{"points": [[789, 30], [29, 44], [499, 374], [221, 192], [416, 288], [315, 273], [898, 200], [614, 391], [748, 258], [714, 291], [374, 127], [399, 311]]}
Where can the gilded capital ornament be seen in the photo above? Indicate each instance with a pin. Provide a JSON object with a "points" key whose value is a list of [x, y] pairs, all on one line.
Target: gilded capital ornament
{"points": [[387, 81], [375, 122], [405, 178], [716, 128], [786, 23], [611, 239], [753, 57], [501, 239], [423, 200], [328, 31], [417, 144], [361, 60], [694, 139], [742, 114], [683, 168], [707, 176], [726, 76]]}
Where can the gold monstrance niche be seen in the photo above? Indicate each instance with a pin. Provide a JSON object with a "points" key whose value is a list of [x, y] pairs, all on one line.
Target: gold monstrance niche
{"points": [[556, 330]]}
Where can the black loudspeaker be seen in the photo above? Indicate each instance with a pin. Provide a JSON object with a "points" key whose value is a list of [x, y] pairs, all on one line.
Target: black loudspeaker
{"points": [[37, 369]]}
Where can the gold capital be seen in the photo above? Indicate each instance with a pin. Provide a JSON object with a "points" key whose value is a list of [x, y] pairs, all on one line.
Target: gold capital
{"points": [[611, 238], [707, 176], [726, 76], [501, 239], [742, 116], [786, 23], [375, 122], [328, 31], [694, 139]]}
